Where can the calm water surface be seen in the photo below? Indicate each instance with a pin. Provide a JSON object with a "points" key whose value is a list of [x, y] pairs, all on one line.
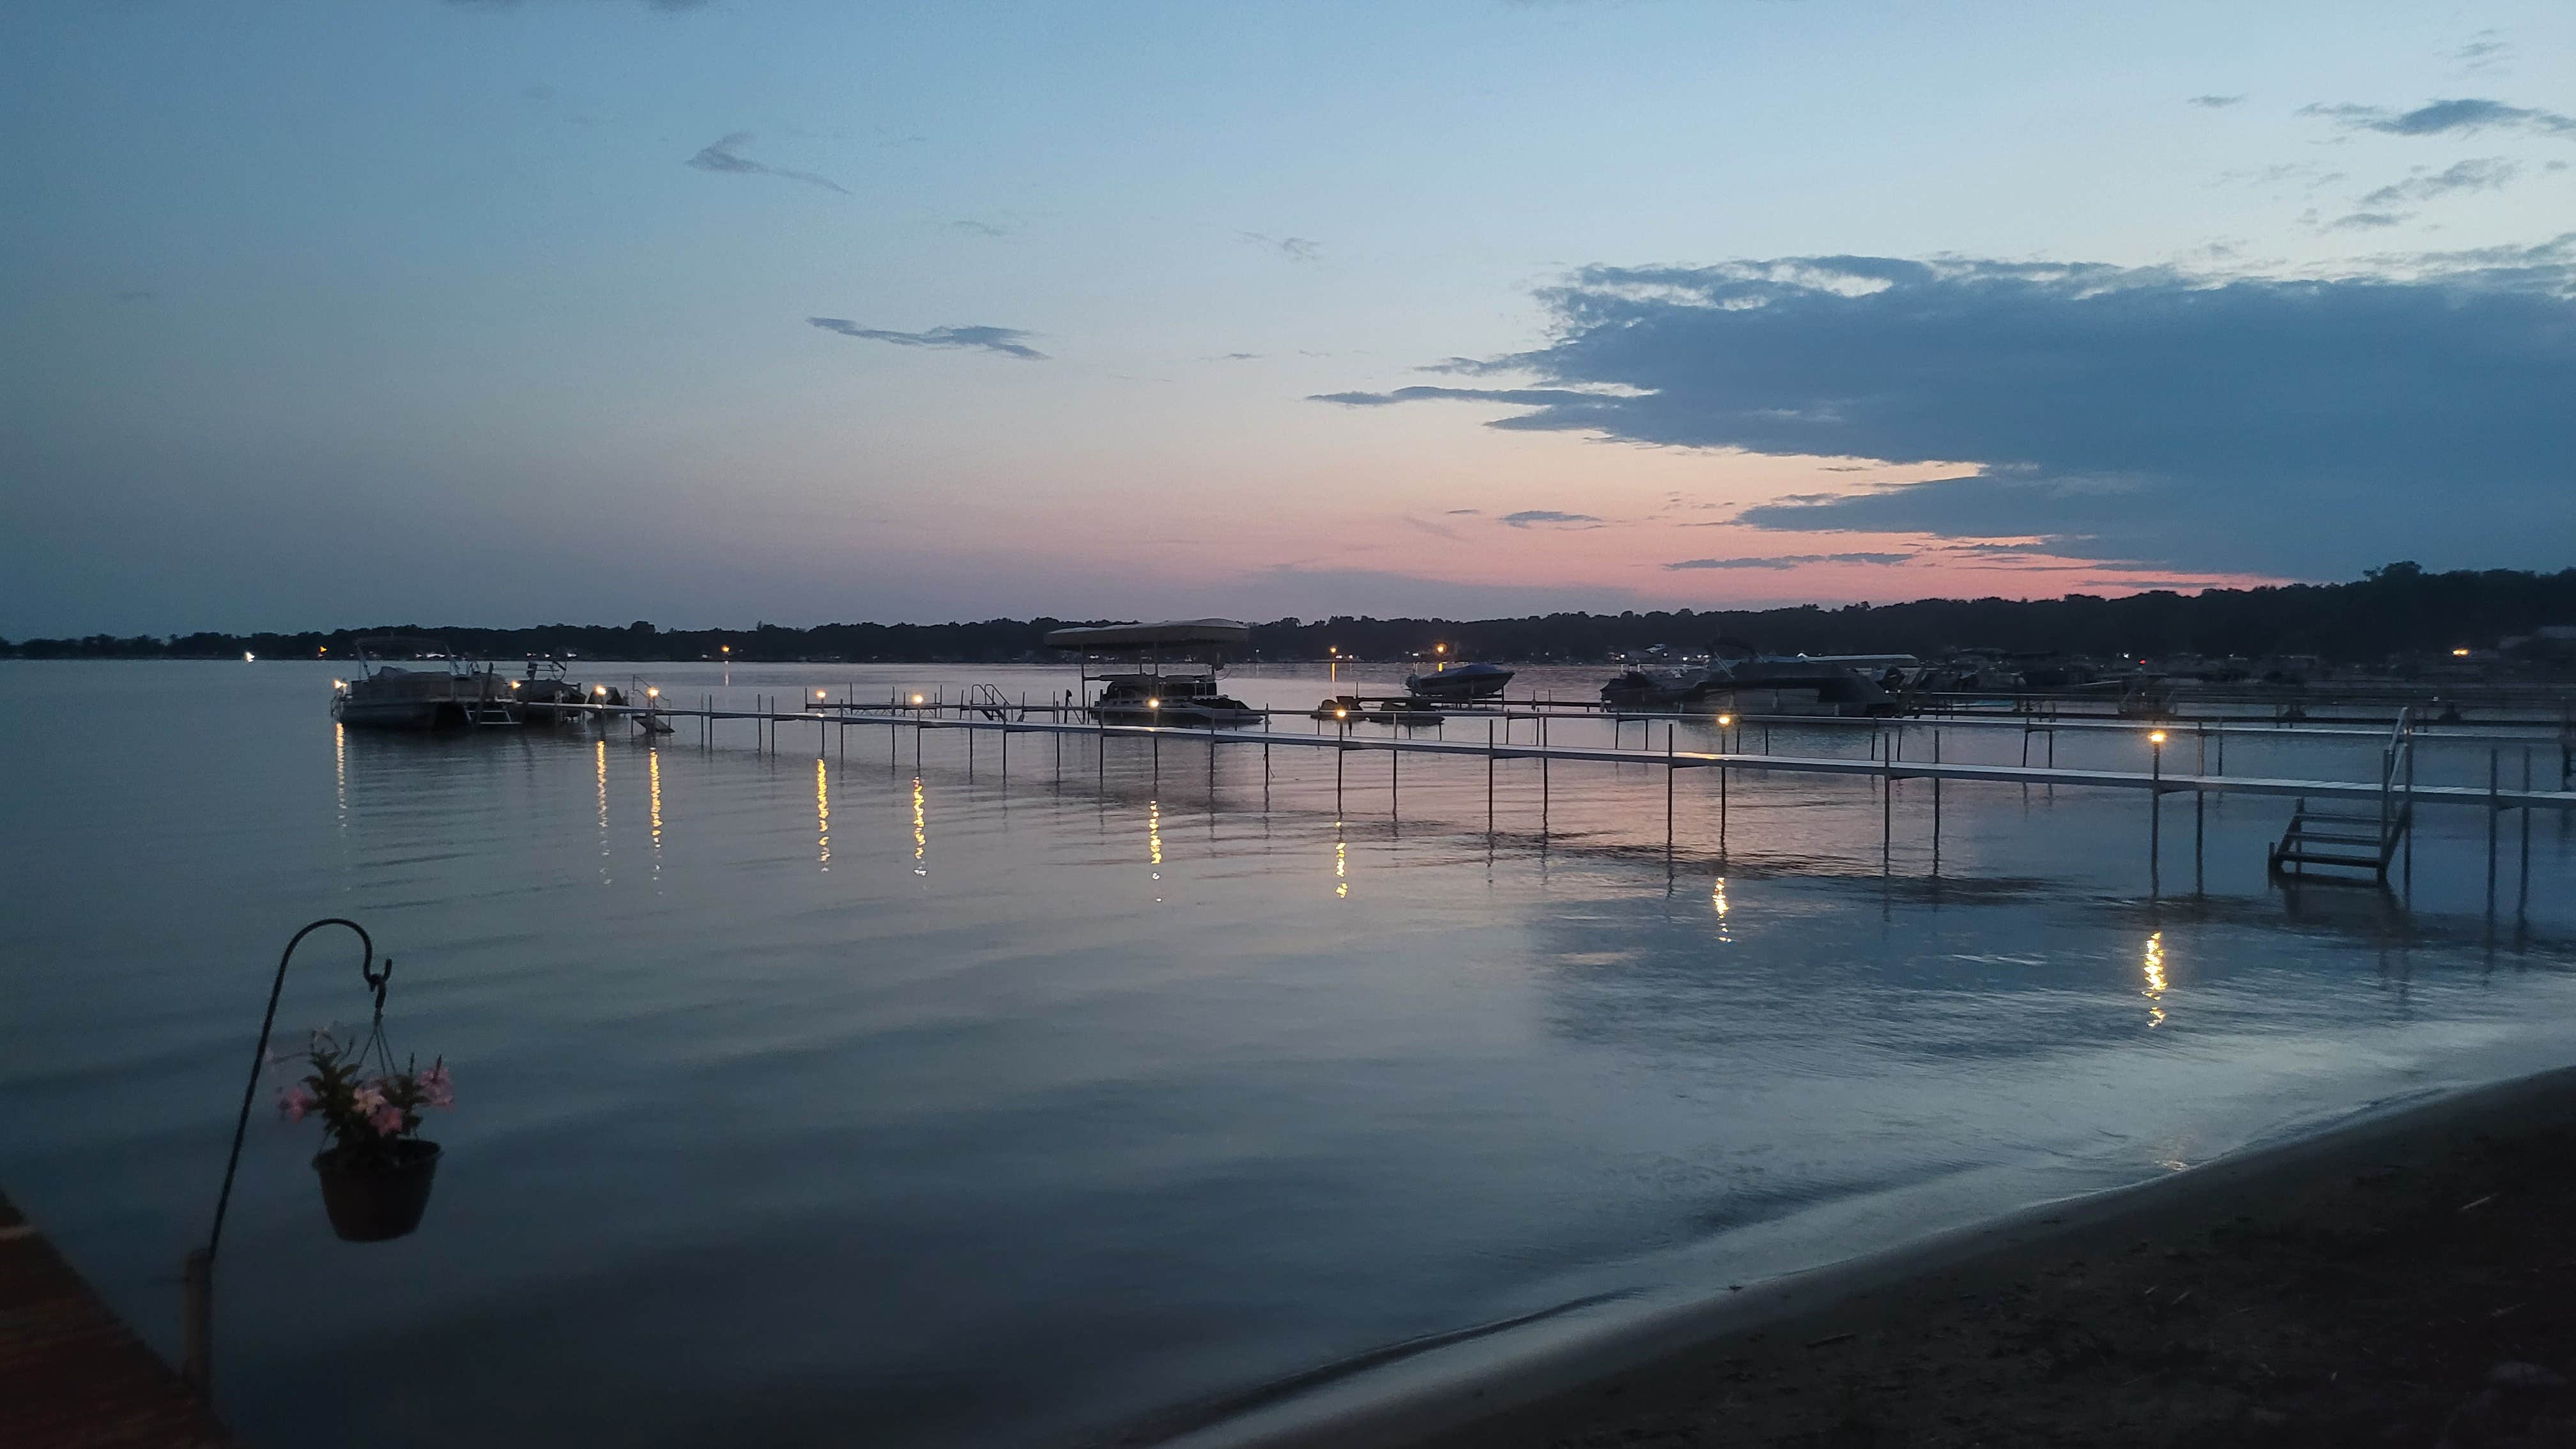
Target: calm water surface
{"points": [[825, 1099]]}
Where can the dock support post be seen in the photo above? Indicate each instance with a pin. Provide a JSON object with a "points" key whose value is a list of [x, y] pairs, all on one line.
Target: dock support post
{"points": [[2410, 814], [197, 1324], [2522, 895], [1670, 770], [2156, 821], [1886, 815], [1721, 810], [1489, 780], [2494, 812], [2199, 833], [1341, 756], [1936, 806]]}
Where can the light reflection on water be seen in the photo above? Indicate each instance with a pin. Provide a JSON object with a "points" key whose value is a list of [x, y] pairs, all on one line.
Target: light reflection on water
{"points": [[794, 1137]]}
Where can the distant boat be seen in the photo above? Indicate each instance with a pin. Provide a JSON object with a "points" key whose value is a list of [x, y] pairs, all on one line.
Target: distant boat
{"points": [[393, 697], [1460, 682], [1761, 684]]}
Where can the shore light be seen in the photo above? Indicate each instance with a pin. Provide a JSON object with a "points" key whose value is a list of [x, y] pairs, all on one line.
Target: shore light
{"points": [[248, 657], [342, 684], [2459, 654]]}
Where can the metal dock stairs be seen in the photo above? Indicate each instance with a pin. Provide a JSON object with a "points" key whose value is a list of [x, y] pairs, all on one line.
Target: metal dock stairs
{"points": [[2355, 840]]}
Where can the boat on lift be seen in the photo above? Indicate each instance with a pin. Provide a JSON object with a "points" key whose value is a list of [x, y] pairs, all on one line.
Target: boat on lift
{"points": [[1162, 673], [1459, 683], [389, 696]]}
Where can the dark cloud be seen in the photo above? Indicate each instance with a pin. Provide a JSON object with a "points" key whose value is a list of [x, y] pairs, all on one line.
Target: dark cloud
{"points": [[2487, 174], [1294, 248], [1004, 340], [725, 156], [1549, 518], [2277, 425], [2367, 220], [1790, 561], [2484, 53], [1456, 512], [2216, 102], [2446, 117]]}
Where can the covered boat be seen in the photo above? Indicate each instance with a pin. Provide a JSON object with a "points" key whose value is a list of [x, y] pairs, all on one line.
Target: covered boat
{"points": [[1168, 675], [1460, 682]]}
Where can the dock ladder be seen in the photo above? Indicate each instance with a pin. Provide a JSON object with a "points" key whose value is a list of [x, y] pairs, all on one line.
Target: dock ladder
{"points": [[987, 701], [2350, 839]]}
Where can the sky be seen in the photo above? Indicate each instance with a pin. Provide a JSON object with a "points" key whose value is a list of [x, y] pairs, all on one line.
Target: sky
{"points": [[497, 312]]}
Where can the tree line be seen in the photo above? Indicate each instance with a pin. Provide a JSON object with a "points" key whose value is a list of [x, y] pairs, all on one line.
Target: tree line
{"points": [[2400, 610]]}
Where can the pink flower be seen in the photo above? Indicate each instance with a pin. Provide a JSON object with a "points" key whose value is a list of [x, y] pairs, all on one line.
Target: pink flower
{"points": [[435, 1087], [294, 1102], [387, 1119], [367, 1100]]}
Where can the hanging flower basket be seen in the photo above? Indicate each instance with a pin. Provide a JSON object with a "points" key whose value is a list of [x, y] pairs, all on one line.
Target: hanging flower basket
{"points": [[377, 1170], [371, 1202]]}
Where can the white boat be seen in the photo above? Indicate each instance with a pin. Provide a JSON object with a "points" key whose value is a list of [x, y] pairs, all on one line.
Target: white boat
{"points": [[1170, 672], [387, 696]]}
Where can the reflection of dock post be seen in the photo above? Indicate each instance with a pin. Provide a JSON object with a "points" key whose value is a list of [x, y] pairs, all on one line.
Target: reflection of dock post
{"points": [[1936, 804]]}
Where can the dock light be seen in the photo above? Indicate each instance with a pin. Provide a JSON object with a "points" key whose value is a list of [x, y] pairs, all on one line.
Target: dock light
{"points": [[1341, 714], [726, 648], [247, 656], [1724, 720], [916, 699], [2155, 737], [655, 693], [1439, 648], [340, 684], [599, 689], [1153, 704], [818, 694], [2459, 654]]}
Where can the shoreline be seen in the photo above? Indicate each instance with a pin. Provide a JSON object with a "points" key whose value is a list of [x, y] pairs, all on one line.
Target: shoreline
{"points": [[1895, 1340]]}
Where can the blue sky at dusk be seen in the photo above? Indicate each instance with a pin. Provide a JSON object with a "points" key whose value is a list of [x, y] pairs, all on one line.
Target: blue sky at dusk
{"points": [[593, 310]]}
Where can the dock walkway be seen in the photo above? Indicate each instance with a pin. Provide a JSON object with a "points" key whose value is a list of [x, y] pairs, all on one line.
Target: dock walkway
{"points": [[71, 1374]]}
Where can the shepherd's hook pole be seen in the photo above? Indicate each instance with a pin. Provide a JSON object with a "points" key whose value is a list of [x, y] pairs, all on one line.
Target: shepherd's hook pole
{"points": [[196, 1351]]}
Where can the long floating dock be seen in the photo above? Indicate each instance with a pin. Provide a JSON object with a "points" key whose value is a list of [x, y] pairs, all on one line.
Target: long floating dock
{"points": [[831, 715]]}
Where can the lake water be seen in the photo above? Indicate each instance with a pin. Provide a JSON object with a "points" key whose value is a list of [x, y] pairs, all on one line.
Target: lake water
{"points": [[824, 1099]]}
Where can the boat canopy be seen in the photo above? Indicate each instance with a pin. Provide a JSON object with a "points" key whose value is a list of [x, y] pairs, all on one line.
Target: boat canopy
{"points": [[1173, 635]]}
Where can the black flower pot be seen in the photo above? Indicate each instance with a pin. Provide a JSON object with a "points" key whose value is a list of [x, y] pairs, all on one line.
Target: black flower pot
{"points": [[375, 1198]]}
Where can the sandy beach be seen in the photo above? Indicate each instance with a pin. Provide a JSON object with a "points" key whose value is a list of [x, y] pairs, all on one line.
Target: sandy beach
{"points": [[2403, 1278]]}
